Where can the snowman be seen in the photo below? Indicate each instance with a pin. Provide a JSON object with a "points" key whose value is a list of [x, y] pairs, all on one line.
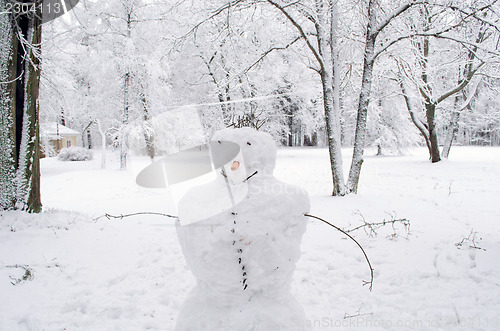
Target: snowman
{"points": [[243, 258]]}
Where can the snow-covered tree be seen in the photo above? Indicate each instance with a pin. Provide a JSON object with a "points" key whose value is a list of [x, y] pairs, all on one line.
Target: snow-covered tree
{"points": [[452, 44], [20, 39], [109, 68], [317, 23], [479, 121], [389, 128], [237, 68]]}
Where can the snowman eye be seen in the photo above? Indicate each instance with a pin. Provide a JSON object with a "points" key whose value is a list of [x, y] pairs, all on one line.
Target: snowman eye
{"points": [[248, 143]]}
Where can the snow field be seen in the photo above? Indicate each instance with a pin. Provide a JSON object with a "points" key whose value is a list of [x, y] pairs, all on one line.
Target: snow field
{"points": [[424, 282], [130, 274]]}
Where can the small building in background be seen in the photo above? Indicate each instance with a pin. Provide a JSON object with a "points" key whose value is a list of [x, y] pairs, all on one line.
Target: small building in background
{"points": [[55, 136]]}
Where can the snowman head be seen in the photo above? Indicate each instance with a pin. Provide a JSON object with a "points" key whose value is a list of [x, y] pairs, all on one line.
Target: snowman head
{"points": [[257, 148]]}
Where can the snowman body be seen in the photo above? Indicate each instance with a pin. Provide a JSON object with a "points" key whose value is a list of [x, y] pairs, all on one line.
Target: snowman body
{"points": [[243, 258]]}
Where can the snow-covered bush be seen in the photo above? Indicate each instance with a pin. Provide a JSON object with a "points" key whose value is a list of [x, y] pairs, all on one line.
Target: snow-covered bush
{"points": [[46, 149], [75, 154]]}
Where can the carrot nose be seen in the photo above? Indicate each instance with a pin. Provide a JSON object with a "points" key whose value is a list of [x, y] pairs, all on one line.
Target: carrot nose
{"points": [[235, 166]]}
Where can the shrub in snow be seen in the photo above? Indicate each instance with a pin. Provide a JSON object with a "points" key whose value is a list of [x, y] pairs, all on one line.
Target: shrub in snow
{"points": [[75, 154], [46, 148]]}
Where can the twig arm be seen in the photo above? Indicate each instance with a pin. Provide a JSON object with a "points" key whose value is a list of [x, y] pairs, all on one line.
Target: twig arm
{"points": [[357, 243], [121, 216]]}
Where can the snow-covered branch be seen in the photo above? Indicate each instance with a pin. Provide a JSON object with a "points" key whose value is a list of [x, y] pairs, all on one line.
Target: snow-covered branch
{"points": [[437, 35], [442, 34], [392, 16], [474, 13], [302, 32], [419, 123], [269, 51], [461, 86], [472, 93], [214, 14]]}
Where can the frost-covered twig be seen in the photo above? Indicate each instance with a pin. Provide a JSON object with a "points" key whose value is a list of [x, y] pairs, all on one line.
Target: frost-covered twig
{"points": [[121, 216], [372, 227], [356, 314], [471, 239], [357, 243]]}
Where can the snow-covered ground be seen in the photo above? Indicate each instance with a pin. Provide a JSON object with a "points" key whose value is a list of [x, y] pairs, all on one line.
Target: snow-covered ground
{"points": [[72, 271]]}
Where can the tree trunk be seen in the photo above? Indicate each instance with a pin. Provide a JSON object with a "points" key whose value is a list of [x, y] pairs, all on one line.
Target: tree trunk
{"points": [[89, 139], [328, 74], [126, 101], [8, 64], [29, 158], [86, 136], [433, 137], [125, 117], [333, 136], [426, 91], [326, 60], [339, 189], [416, 121], [452, 128], [103, 144], [62, 118], [364, 99], [148, 128], [20, 82]]}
